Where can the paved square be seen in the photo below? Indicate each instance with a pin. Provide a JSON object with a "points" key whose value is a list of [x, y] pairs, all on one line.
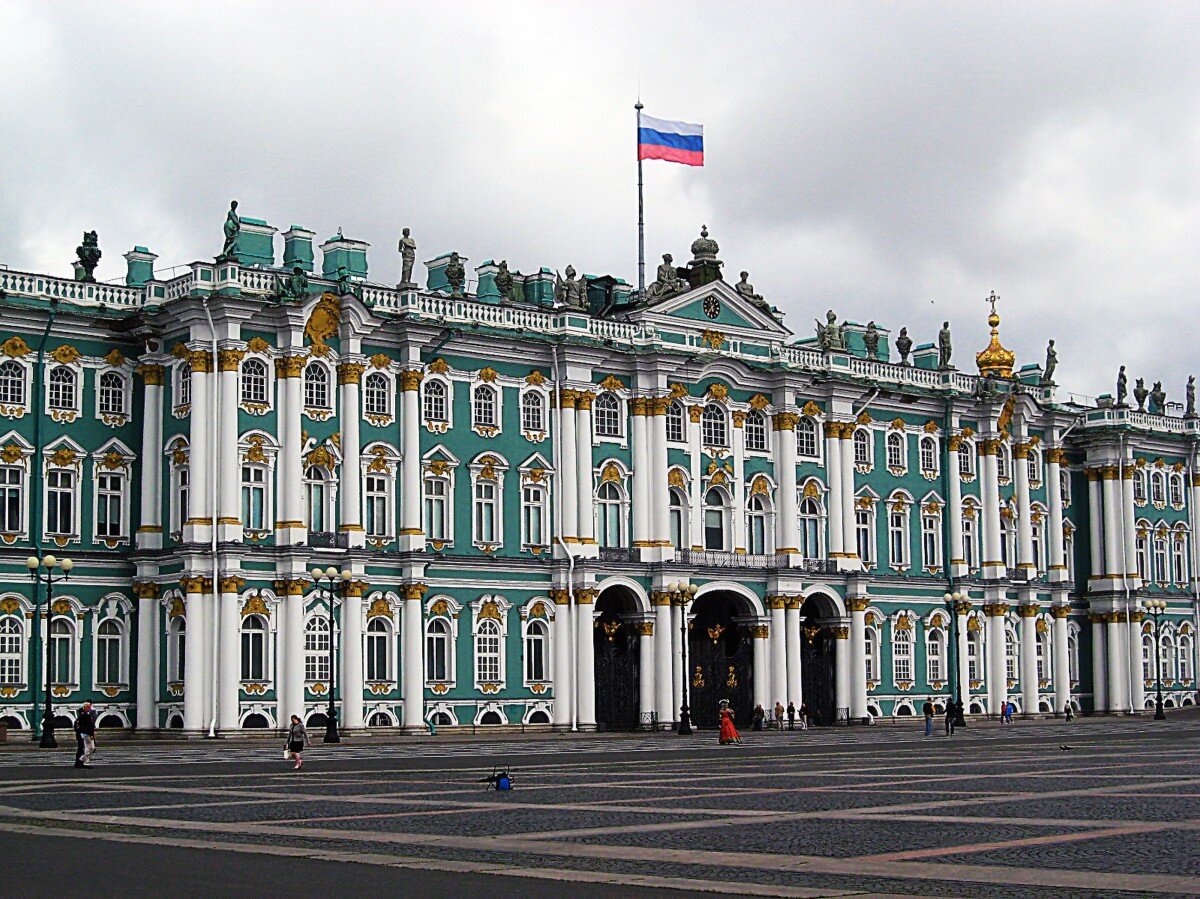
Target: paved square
{"points": [[993, 811]]}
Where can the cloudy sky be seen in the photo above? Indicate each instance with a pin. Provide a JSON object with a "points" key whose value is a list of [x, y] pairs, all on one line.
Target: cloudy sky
{"points": [[890, 161]]}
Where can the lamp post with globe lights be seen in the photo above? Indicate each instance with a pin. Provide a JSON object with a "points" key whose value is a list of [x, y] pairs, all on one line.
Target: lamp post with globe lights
{"points": [[335, 578], [952, 599], [682, 592], [1156, 607], [47, 576]]}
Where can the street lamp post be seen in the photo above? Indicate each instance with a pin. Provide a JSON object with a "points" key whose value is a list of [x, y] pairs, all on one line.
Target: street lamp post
{"points": [[684, 591], [1157, 607], [952, 599], [49, 563], [332, 575]]}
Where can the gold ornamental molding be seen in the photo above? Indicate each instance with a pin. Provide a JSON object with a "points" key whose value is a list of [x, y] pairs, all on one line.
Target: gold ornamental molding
{"points": [[350, 372]]}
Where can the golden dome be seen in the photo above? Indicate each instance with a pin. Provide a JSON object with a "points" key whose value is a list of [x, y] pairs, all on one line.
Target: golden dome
{"points": [[995, 360]]}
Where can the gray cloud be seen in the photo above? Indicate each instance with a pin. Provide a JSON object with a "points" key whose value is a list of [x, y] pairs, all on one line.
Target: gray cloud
{"points": [[893, 162]]}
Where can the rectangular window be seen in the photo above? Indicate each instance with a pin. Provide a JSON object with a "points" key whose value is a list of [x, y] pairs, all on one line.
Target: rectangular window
{"points": [[11, 498], [485, 512], [181, 507], [931, 544], [898, 538], [435, 509], [901, 659], [110, 521], [254, 497], [862, 533], [60, 502], [377, 505], [532, 516]]}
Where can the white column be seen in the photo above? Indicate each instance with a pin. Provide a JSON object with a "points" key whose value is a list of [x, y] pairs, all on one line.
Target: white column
{"points": [[1025, 558], [696, 518], [1099, 663], [292, 523], [1113, 531], [412, 685], [954, 508], [1117, 689], [858, 657], [849, 543], [663, 645], [1029, 679], [1056, 565], [585, 657], [1125, 511], [149, 533], [642, 512], [961, 609], [779, 673], [350, 488], [1095, 523], [562, 659], [787, 525], [835, 547], [583, 470], [843, 694], [1137, 686], [677, 673], [989, 495], [760, 633], [740, 538], [200, 471], [195, 652], [568, 483], [412, 536], [293, 675], [229, 661], [997, 679], [795, 692], [646, 672], [147, 632], [350, 648], [1062, 658], [229, 499], [657, 423]]}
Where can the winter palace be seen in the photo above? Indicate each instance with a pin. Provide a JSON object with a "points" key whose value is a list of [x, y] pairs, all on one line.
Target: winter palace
{"points": [[541, 493]]}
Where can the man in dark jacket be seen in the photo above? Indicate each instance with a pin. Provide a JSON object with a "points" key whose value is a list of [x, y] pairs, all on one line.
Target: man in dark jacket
{"points": [[927, 711], [85, 735]]}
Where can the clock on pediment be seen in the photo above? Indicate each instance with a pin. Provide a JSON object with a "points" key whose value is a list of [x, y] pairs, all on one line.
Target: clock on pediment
{"points": [[712, 306]]}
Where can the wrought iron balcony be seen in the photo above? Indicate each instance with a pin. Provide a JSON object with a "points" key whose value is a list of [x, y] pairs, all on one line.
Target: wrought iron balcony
{"points": [[328, 540]]}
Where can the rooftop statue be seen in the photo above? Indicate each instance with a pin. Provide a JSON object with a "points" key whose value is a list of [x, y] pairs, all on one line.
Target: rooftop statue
{"points": [[1190, 407], [904, 346], [504, 281], [666, 280], [456, 275], [408, 255], [871, 340], [89, 255], [293, 287], [570, 291], [831, 336], [746, 289], [1140, 393], [1051, 364], [944, 346], [1158, 399], [233, 227], [345, 285], [1122, 386]]}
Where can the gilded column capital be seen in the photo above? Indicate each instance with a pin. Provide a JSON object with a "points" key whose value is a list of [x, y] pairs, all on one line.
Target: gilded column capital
{"points": [[411, 379], [794, 603], [645, 628], [289, 587], [583, 400], [739, 418], [659, 405], [229, 360], [355, 588], [1092, 474], [350, 372], [414, 591], [559, 596], [191, 584], [954, 442], [988, 447], [833, 429], [586, 596], [1028, 610], [776, 601], [638, 406], [200, 361], [841, 632], [784, 421], [568, 398], [858, 603], [660, 598], [962, 607], [1056, 456], [1060, 611], [1108, 472], [231, 584], [1137, 616], [145, 590], [151, 373], [995, 609], [289, 366], [695, 413], [760, 631]]}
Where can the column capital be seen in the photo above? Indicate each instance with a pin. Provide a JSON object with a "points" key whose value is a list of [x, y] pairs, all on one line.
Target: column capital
{"points": [[411, 379], [151, 373], [583, 400], [289, 366], [784, 421], [1137, 616], [841, 632], [638, 406], [1028, 610], [995, 609], [192, 584], [989, 447], [231, 584], [858, 603], [415, 591], [658, 598], [230, 360], [695, 413], [1056, 456], [568, 398], [586, 596], [645, 628], [200, 361], [962, 607], [760, 631], [145, 590], [776, 601], [1060, 611], [1022, 450], [560, 596], [658, 405], [355, 588], [289, 587], [350, 372]]}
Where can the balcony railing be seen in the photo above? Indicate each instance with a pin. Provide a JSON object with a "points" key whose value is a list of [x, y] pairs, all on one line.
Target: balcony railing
{"points": [[328, 540], [618, 554]]}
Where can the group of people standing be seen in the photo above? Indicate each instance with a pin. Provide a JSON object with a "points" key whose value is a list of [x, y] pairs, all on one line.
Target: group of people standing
{"points": [[759, 718], [953, 712]]}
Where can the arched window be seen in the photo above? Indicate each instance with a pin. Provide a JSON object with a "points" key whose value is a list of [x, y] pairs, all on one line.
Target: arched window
{"points": [[435, 401], [970, 536], [1004, 463], [485, 407], [438, 655], [377, 395], [108, 652], [1073, 658], [111, 394], [533, 412], [62, 644], [183, 385], [1147, 657], [928, 454], [316, 486], [1045, 657], [1176, 489], [758, 525], [1185, 658], [62, 388], [1010, 653], [1142, 550], [487, 652], [1168, 657], [606, 414], [902, 654], [12, 648], [716, 520], [610, 515], [872, 655], [1179, 557], [1158, 489], [862, 448], [1007, 554], [975, 654], [1139, 487], [713, 431], [896, 455], [679, 517], [676, 428], [176, 649], [12, 383], [806, 437], [1034, 466], [537, 641], [254, 648], [966, 460], [254, 381], [379, 649], [935, 655], [316, 649], [756, 432], [316, 386], [898, 535], [810, 529]]}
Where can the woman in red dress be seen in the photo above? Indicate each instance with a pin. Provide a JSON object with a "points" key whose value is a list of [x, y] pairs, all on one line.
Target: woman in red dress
{"points": [[729, 733]]}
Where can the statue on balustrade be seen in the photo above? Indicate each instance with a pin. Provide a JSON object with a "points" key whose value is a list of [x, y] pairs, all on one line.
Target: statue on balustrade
{"points": [[408, 255], [944, 346], [346, 287], [1051, 364], [1190, 408], [1140, 393], [233, 227], [871, 340], [89, 256], [1158, 399], [570, 291], [666, 280], [1122, 386], [456, 275], [504, 281], [831, 336], [293, 288], [904, 346], [746, 289]]}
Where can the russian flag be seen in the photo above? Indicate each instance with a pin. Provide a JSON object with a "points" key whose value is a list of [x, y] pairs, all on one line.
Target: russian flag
{"points": [[672, 141]]}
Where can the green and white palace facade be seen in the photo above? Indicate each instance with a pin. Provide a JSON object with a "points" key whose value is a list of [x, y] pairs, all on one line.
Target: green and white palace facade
{"points": [[519, 487]]}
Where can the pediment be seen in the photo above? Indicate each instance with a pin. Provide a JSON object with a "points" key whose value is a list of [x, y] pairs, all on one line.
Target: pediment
{"points": [[715, 306]]}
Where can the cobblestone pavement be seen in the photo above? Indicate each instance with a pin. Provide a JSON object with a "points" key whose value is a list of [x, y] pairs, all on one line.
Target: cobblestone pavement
{"points": [[1100, 807]]}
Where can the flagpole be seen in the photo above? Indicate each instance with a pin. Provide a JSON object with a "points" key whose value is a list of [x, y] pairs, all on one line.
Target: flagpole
{"points": [[641, 222]]}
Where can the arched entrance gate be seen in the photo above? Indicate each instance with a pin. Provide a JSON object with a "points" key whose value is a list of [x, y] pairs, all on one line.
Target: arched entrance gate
{"points": [[720, 658], [618, 675], [818, 643]]}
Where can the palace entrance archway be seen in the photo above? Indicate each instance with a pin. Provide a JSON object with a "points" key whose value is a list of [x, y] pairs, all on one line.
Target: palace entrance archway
{"points": [[615, 637], [818, 617], [720, 659]]}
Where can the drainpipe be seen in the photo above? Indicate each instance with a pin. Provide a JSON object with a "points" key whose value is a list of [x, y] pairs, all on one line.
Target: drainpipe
{"points": [[214, 463], [558, 534]]}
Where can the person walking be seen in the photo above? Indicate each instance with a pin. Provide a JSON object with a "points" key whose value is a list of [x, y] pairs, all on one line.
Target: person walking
{"points": [[1009, 708], [791, 713], [756, 721], [804, 716], [297, 739], [951, 712], [1068, 711], [927, 711], [85, 735], [779, 714], [728, 733]]}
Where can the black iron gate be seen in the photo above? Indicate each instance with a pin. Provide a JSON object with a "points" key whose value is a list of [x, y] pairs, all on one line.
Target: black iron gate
{"points": [[616, 643], [817, 646], [720, 662]]}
